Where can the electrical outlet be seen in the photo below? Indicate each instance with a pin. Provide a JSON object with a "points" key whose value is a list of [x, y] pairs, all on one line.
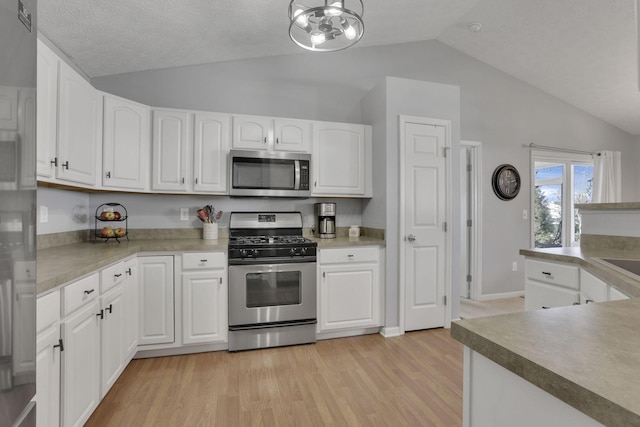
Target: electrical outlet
{"points": [[514, 266], [525, 214], [44, 213], [184, 214]]}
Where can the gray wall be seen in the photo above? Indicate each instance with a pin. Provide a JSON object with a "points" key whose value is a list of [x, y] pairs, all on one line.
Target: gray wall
{"points": [[496, 109]]}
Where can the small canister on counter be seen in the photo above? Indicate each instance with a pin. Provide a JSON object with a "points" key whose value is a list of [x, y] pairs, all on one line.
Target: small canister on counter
{"points": [[354, 231]]}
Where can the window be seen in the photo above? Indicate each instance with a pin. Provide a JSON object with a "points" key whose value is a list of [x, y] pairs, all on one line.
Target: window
{"points": [[560, 181]]}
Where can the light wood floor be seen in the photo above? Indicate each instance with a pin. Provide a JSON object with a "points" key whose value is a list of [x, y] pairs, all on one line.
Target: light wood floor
{"points": [[410, 380]]}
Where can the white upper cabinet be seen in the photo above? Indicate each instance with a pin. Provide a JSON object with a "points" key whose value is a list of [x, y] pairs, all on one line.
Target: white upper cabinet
{"points": [[212, 133], [171, 141], [78, 128], [271, 134], [341, 160], [125, 145], [8, 108], [27, 125], [47, 111]]}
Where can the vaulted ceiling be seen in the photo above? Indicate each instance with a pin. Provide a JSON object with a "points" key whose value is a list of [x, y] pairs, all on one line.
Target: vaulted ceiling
{"points": [[581, 51]]}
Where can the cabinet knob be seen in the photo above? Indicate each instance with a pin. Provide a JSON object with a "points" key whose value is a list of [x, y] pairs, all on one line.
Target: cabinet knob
{"points": [[411, 238], [277, 140]]}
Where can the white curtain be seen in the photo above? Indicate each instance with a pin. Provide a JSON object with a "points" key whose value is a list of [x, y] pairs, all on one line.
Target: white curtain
{"points": [[607, 177]]}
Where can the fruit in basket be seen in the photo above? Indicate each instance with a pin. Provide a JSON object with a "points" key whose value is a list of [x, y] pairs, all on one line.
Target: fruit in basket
{"points": [[108, 216], [107, 232], [120, 232], [117, 216]]}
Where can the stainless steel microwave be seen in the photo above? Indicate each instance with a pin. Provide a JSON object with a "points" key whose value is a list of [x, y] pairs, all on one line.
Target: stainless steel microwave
{"points": [[263, 174]]}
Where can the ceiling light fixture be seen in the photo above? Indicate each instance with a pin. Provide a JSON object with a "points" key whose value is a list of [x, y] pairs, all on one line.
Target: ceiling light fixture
{"points": [[326, 27]]}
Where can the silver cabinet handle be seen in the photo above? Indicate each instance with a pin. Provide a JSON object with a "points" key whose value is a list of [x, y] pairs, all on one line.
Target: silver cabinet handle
{"points": [[411, 238]]}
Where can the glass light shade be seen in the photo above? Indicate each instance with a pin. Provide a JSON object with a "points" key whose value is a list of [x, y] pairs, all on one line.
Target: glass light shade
{"points": [[324, 25]]}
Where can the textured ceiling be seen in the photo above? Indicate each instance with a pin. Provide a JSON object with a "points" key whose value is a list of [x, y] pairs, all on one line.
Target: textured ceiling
{"points": [[581, 51]]}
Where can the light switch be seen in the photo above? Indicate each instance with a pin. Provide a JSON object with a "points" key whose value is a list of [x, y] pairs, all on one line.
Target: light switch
{"points": [[44, 213], [525, 214], [184, 214]]}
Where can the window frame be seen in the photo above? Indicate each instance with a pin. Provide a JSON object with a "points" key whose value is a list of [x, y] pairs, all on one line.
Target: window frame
{"points": [[568, 160]]}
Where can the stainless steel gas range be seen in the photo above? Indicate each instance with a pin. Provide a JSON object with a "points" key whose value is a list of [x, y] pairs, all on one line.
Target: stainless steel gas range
{"points": [[272, 281]]}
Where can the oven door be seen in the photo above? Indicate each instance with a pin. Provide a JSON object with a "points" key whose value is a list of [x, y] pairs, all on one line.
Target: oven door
{"points": [[267, 293]]}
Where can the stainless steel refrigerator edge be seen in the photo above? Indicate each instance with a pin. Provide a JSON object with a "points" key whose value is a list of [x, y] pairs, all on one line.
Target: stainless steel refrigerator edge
{"points": [[17, 212]]}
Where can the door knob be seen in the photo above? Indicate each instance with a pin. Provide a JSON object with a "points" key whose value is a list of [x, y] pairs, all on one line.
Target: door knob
{"points": [[411, 238]]}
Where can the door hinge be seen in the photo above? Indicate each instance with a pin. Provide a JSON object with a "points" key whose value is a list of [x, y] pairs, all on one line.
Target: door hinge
{"points": [[469, 223], [444, 227], [469, 278], [444, 151], [445, 300], [469, 168]]}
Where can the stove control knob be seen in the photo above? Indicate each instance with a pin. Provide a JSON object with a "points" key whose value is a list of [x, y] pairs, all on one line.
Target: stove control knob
{"points": [[243, 253], [292, 251], [303, 251], [255, 252]]}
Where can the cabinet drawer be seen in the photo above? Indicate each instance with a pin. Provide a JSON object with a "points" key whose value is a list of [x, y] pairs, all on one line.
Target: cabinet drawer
{"points": [[80, 292], [111, 277], [48, 310], [203, 260], [355, 254], [540, 295], [556, 274]]}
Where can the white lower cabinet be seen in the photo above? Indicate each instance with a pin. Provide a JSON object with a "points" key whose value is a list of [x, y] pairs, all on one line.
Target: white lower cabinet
{"points": [[540, 295], [550, 284], [592, 289], [350, 291], [81, 364], [112, 354], [204, 298], [156, 282], [48, 352]]}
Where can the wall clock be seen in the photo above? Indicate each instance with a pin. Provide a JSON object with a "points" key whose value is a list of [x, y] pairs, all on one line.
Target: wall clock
{"points": [[506, 182]]}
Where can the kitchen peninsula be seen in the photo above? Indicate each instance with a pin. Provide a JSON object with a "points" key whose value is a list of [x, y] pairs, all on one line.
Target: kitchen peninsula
{"points": [[573, 365]]}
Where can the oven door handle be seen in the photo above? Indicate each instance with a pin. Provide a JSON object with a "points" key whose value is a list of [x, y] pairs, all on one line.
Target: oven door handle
{"points": [[275, 261]]}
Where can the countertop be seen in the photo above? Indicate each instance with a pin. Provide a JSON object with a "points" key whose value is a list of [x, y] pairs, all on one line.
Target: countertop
{"points": [[587, 356], [61, 264]]}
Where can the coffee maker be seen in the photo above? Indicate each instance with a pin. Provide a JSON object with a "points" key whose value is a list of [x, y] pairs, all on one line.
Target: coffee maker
{"points": [[325, 226]]}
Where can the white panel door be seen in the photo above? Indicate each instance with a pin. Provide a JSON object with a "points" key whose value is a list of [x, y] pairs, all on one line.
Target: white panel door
{"points": [[212, 133], [77, 128], [8, 108], [112, 345], [292, 135], [425, 216], [252, 133], [171, 141], [125, 145]]}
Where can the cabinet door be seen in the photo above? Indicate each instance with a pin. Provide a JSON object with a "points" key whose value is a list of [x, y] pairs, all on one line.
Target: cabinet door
{"points": [[212, 133], [338, 159], [156, 300], [27, 130], [47, 111], [171, 140], [349, 296], [24, 321], [8, 108], [81, 365], [112, 342], [77, 128], [292, 135], [132, 310], [204, 307], [540, 295], [125, 148], [252, 133], [48, 377], [592, 289]]}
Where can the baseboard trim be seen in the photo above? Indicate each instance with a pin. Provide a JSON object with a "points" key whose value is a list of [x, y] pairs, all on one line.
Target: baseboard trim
{"points": [[391, 332]]}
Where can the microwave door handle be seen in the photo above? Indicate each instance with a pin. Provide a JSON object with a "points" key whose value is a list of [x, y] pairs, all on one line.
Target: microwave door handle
{"points": [[296, 185]]}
